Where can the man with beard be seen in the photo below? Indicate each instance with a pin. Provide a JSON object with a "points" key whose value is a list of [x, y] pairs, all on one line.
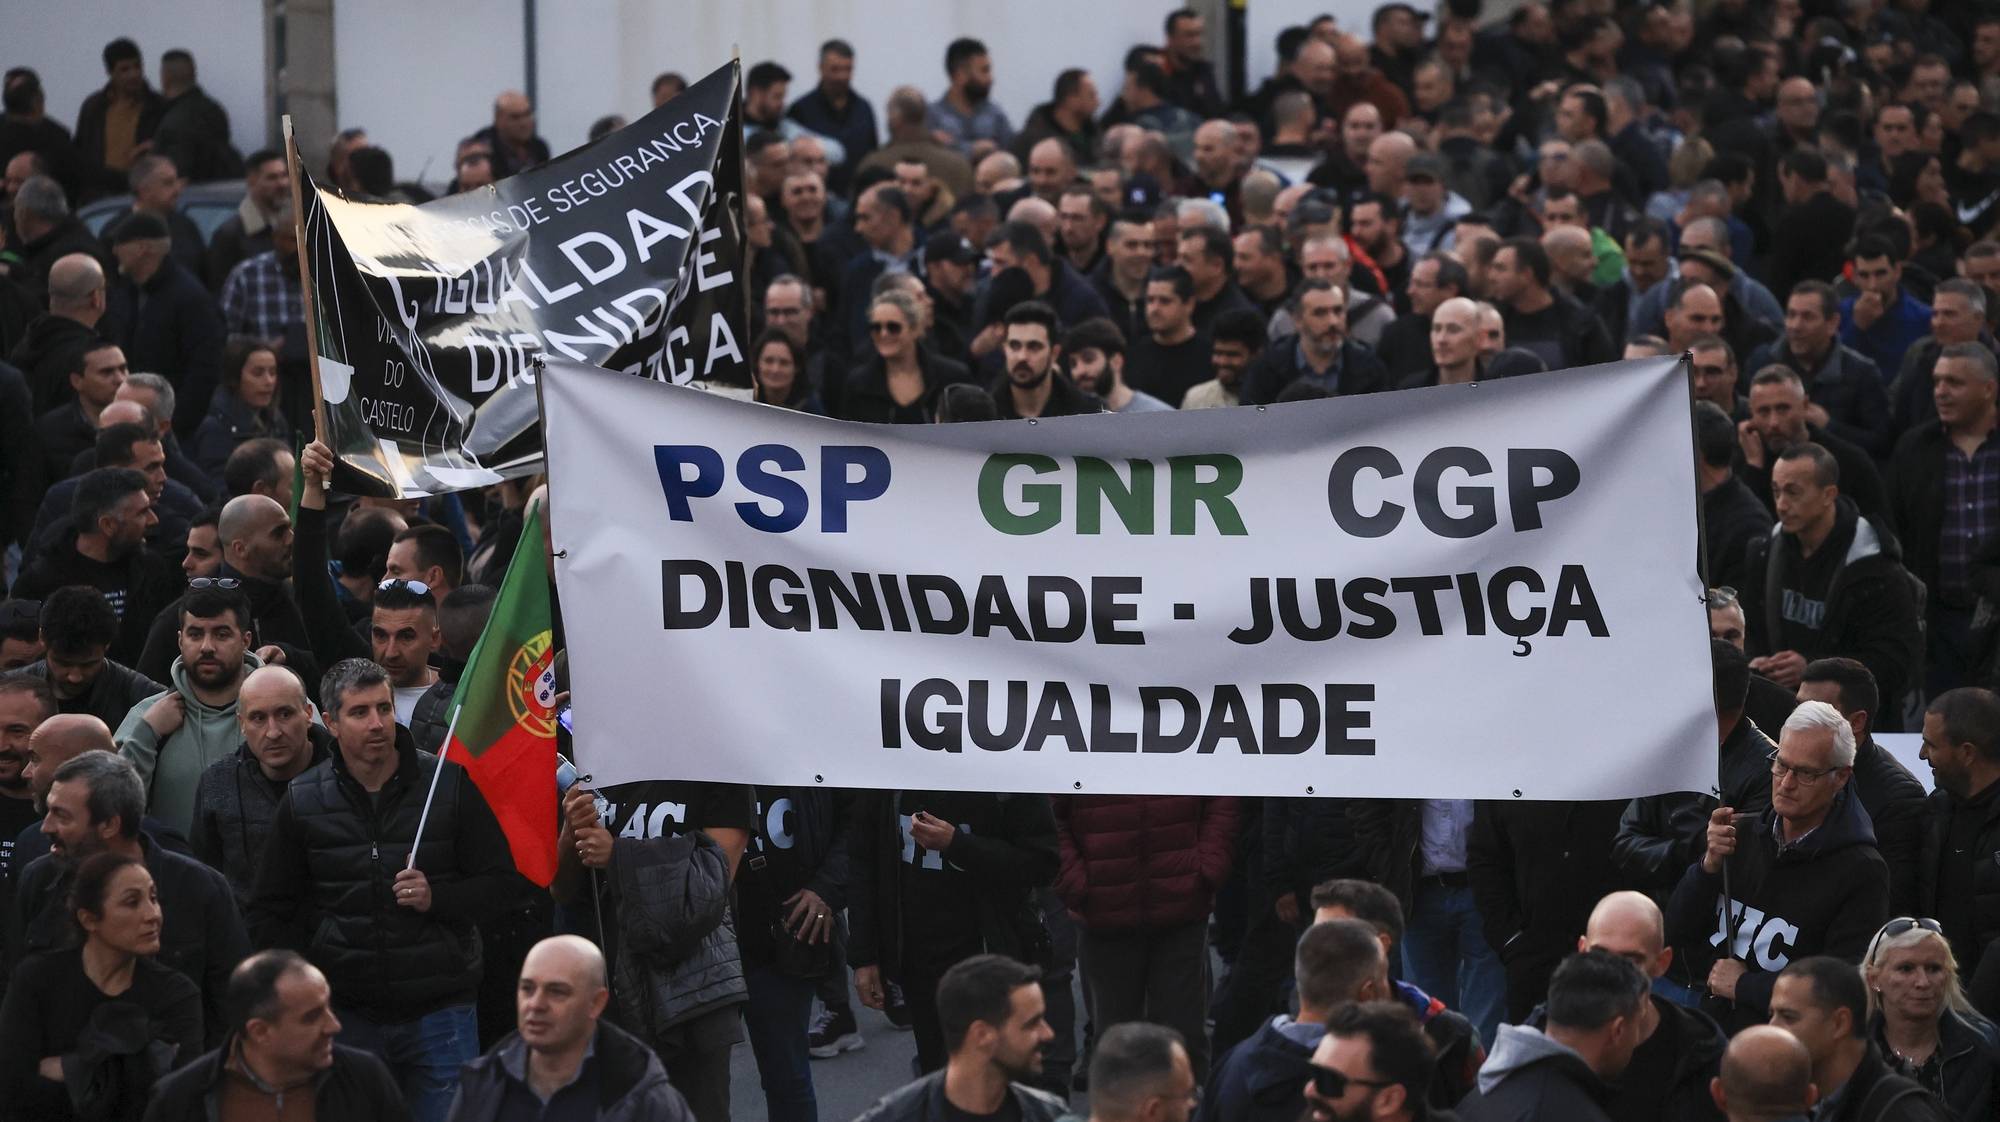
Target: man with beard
{"points": [[990, 1008], [261, 297], [399, 950], [25, 703], [1096, 353], [173, 736], [965, 117], [96, 804], [111, 513], [1033, 387], [1374, 222], [1320, 355], [78, 628], [238, 795], [1778, 422], [1827, 583], [1373, 1064], [1239, 338], [1957, 881]]}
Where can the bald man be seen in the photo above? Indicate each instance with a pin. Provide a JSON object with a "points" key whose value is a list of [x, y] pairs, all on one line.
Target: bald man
{"points": [[255, 535], [59, 740], [1571, 260], [511, 137], [539, 1070], [1388, 158], [49, 350], [1679, 1048], [1766, 1076], [237, 796]]}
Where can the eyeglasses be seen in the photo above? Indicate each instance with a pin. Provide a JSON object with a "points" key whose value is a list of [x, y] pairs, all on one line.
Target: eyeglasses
{"points": [[203, 584], [1901, 925], [394, 583], [1807, 776], [885, 327], [1331, 1084]]}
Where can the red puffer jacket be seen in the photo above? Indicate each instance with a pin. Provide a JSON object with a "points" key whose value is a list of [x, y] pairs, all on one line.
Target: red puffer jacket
{"points": [[1138, 862]]}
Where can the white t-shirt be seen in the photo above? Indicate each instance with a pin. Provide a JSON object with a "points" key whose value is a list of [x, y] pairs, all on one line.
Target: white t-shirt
{"points": [[406, 703]]}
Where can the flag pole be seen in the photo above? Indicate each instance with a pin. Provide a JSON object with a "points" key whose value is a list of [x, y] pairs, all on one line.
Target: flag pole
{"points": [[425, 817], [305, 279]]}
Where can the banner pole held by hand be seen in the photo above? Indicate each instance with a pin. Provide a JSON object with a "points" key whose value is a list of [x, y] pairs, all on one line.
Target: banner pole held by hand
{"points": [[306, 280], [425, 817]]}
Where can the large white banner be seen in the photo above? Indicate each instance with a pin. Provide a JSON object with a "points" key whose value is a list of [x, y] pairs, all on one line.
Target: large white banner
{"points": [[1482, 591]]}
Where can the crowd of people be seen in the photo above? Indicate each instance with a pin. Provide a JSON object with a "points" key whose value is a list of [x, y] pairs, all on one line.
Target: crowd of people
{"points": [[238, 882]]}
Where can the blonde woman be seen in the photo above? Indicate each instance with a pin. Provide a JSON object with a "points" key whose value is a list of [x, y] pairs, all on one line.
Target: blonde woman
{"points": [[1918, 1015]]}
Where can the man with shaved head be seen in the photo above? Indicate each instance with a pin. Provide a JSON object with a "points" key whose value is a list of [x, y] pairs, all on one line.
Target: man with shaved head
{"points": [[1571, 261], [49, 350], [255, 535], [1678, 1047], [238, 795], [1766, 1076], [59, 740], [564, 1060]]}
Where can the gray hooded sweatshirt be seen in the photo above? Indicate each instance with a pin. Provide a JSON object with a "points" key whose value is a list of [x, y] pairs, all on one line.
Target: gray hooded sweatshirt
{"points": [[171, 768]]}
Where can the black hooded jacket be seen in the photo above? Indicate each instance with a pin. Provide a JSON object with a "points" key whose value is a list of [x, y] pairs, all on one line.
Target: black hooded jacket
{"points": [[1867, 611], [1826, 893]]}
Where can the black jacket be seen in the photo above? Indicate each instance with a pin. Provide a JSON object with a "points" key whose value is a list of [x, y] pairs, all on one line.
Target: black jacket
{"points": [[201, 935], [1261, 1079], [1536, 870], [1531, 1078], [152, 583], [631, 1082], [1279, 366], [1899, 814], [1308, 841], [1968, 1073], [1660, 835], [357, 1088], [193, 129], [923, 1101], [1860, 479], [22, 474], [1731, 518], [227, 426], [1848, 386], [1065, 398], [1869, 612], [1010, 849], [170, 325], [46, 356], [1874, 1093], [1916, 500], [274, 618], [1825, 894], [113, 693], [233, 810], [1810, 242], [1973, 946], [1580, 336], [1684, 1097], [323, 887], [865, 395]]}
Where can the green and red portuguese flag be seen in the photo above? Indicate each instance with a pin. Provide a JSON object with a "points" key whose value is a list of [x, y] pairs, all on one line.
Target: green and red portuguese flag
{"points": [[505, 724]]}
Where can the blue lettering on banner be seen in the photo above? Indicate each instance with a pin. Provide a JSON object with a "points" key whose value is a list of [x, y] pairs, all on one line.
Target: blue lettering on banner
{"points": [[695, 471]]}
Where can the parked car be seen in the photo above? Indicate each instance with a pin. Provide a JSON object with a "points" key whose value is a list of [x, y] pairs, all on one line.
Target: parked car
{"points": [[208, 205]]}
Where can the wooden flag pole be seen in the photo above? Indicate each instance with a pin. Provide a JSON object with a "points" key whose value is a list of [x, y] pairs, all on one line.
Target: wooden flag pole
{"points": [[306, 280]]}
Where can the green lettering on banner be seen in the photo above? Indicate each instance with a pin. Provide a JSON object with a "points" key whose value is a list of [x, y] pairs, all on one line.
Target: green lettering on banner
{"points": [[1044, 498], [1186, 492]]}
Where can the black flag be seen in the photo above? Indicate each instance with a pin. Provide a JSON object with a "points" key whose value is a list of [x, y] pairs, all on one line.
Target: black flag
{"points": [[626, 253]]}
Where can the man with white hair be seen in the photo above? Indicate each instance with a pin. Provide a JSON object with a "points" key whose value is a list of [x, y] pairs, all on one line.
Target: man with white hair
{"points": [[1802, 879]]}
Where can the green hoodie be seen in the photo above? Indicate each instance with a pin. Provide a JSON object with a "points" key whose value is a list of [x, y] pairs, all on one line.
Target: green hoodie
{"points": [[172, 769]]}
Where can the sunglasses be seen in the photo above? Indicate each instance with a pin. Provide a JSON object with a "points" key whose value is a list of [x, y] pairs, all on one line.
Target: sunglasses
{"points": [[1331, 1084], [226, 584], [393, 583], [885, 327], [1905, 924]]}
